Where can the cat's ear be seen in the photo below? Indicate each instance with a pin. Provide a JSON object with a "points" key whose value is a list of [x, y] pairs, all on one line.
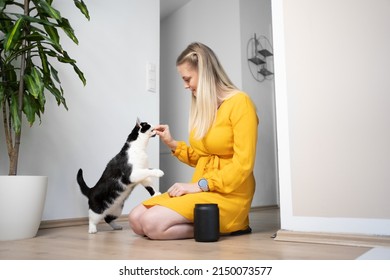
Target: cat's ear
{"points": [[138, 122]]}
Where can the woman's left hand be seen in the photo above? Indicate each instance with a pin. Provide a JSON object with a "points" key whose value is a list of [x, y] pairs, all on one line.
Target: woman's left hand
{"points": [[179, 189]]}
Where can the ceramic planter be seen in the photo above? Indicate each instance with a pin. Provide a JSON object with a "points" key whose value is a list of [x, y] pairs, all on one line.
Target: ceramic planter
{"points": [[22, 199]]}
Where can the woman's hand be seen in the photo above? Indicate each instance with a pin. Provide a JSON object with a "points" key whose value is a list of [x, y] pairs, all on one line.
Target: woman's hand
{"points": [[162, 130], [179, 189]]}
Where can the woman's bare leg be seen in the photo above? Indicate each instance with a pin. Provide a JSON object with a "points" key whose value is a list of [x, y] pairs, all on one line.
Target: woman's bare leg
{"points": [[134, 219], [159, 222]]}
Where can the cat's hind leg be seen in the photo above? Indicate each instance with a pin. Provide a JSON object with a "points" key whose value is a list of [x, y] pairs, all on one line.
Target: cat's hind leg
{"points": [[94, 219], [113, 214], [110, 219]]}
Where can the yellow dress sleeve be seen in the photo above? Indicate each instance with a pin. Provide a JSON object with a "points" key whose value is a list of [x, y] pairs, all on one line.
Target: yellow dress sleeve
{"points": [[186, 154]]}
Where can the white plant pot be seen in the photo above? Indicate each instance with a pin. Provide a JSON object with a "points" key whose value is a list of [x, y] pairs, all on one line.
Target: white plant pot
{"points": [[22, 199]]}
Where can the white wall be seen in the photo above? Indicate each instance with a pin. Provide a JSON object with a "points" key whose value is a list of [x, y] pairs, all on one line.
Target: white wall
{"points": [[113, 52], [256, 17], [333, 119], [225, 26]]}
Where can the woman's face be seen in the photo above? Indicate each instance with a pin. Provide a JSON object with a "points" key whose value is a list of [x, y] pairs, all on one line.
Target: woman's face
{"points": [[189, 76]]}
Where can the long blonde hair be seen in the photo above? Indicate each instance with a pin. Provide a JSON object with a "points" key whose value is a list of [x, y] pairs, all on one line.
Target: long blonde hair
{"points": [[212, 82]]}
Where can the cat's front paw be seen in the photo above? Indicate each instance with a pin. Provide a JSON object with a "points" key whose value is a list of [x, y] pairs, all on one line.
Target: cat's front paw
{"points": [[158, 173], [156, 194], [92, 229]]}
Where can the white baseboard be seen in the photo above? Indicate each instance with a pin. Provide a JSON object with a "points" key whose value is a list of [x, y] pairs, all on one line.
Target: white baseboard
{"points": [[84, 220], [333, 239]]}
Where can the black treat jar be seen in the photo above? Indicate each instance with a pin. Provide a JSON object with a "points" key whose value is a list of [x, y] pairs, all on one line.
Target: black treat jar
{"points": [[206, 222]]}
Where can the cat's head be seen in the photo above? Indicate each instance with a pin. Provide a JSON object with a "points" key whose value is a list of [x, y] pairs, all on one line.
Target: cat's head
{"points": [[145, 128], [142, 131]]}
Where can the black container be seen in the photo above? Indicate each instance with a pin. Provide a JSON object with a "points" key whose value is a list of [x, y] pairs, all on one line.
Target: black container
{"points": [[206, 222]]}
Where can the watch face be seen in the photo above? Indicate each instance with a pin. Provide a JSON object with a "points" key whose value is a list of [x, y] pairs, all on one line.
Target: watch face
{"points": [[202, 183]]}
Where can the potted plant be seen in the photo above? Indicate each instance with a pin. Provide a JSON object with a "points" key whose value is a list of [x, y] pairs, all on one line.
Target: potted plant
{"points": [[29, 48]]}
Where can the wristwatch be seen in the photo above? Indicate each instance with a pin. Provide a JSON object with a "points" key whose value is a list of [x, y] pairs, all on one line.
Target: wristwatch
{"points": [[203, 185]]}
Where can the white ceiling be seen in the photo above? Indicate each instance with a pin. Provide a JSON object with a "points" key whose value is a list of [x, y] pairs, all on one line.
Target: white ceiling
{"points": [[167, 7]]}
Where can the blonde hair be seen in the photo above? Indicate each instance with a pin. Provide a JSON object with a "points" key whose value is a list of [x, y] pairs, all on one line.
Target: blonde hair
{"points": [[212, 82]]}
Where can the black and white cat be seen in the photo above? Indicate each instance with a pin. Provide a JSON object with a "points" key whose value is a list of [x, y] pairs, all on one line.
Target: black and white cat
{"points": [[126, 170]]}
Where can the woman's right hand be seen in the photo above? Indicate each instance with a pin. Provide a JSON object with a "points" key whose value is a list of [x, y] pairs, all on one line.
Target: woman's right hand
{"points": [[162, 130], [179, 189]]}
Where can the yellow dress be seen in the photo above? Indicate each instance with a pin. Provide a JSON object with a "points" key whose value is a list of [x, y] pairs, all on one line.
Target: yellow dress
{"points": [[226, 158]]}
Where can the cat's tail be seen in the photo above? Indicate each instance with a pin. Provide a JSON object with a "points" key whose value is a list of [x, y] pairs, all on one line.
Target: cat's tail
{"points": [[83, 186]]}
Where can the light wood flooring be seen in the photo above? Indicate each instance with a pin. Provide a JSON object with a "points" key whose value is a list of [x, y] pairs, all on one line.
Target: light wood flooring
{"points": [[74, 243]]}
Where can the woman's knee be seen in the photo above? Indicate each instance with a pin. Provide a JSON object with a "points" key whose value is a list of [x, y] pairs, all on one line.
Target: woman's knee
{"points": [[135, 219], [157, 221], [150, 225]]}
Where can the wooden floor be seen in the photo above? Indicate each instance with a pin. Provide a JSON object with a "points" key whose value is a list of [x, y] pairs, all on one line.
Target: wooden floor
{"points": [[74, 243]]}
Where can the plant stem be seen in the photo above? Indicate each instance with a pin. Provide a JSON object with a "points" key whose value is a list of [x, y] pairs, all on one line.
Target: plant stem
{"points": [[15, 151]]}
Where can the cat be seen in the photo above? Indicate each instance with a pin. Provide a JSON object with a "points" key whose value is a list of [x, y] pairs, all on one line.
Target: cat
{"points": [[126, 170]]}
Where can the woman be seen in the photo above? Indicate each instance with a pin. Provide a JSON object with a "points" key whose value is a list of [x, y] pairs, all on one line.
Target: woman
{"points": [[223, 136]]}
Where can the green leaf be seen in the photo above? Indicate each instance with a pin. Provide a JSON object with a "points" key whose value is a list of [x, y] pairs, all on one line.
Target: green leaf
{"points": [[13, 37], [82, 7], [50, 52], [11, 79], [43, 20], [53, 33], [54, 74], [65, 25], [80, 74], [57, 47], [53, 13], [16, 123], [6, 23], [34, 83], [30, 86], [65, 58], [58, 94], [35, 37], [42, 101], [2, 4], [44, 62], [29, 108]]}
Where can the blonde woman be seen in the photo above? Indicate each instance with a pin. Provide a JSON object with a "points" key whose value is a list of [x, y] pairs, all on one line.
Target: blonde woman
{"points": [[222, 147]]}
